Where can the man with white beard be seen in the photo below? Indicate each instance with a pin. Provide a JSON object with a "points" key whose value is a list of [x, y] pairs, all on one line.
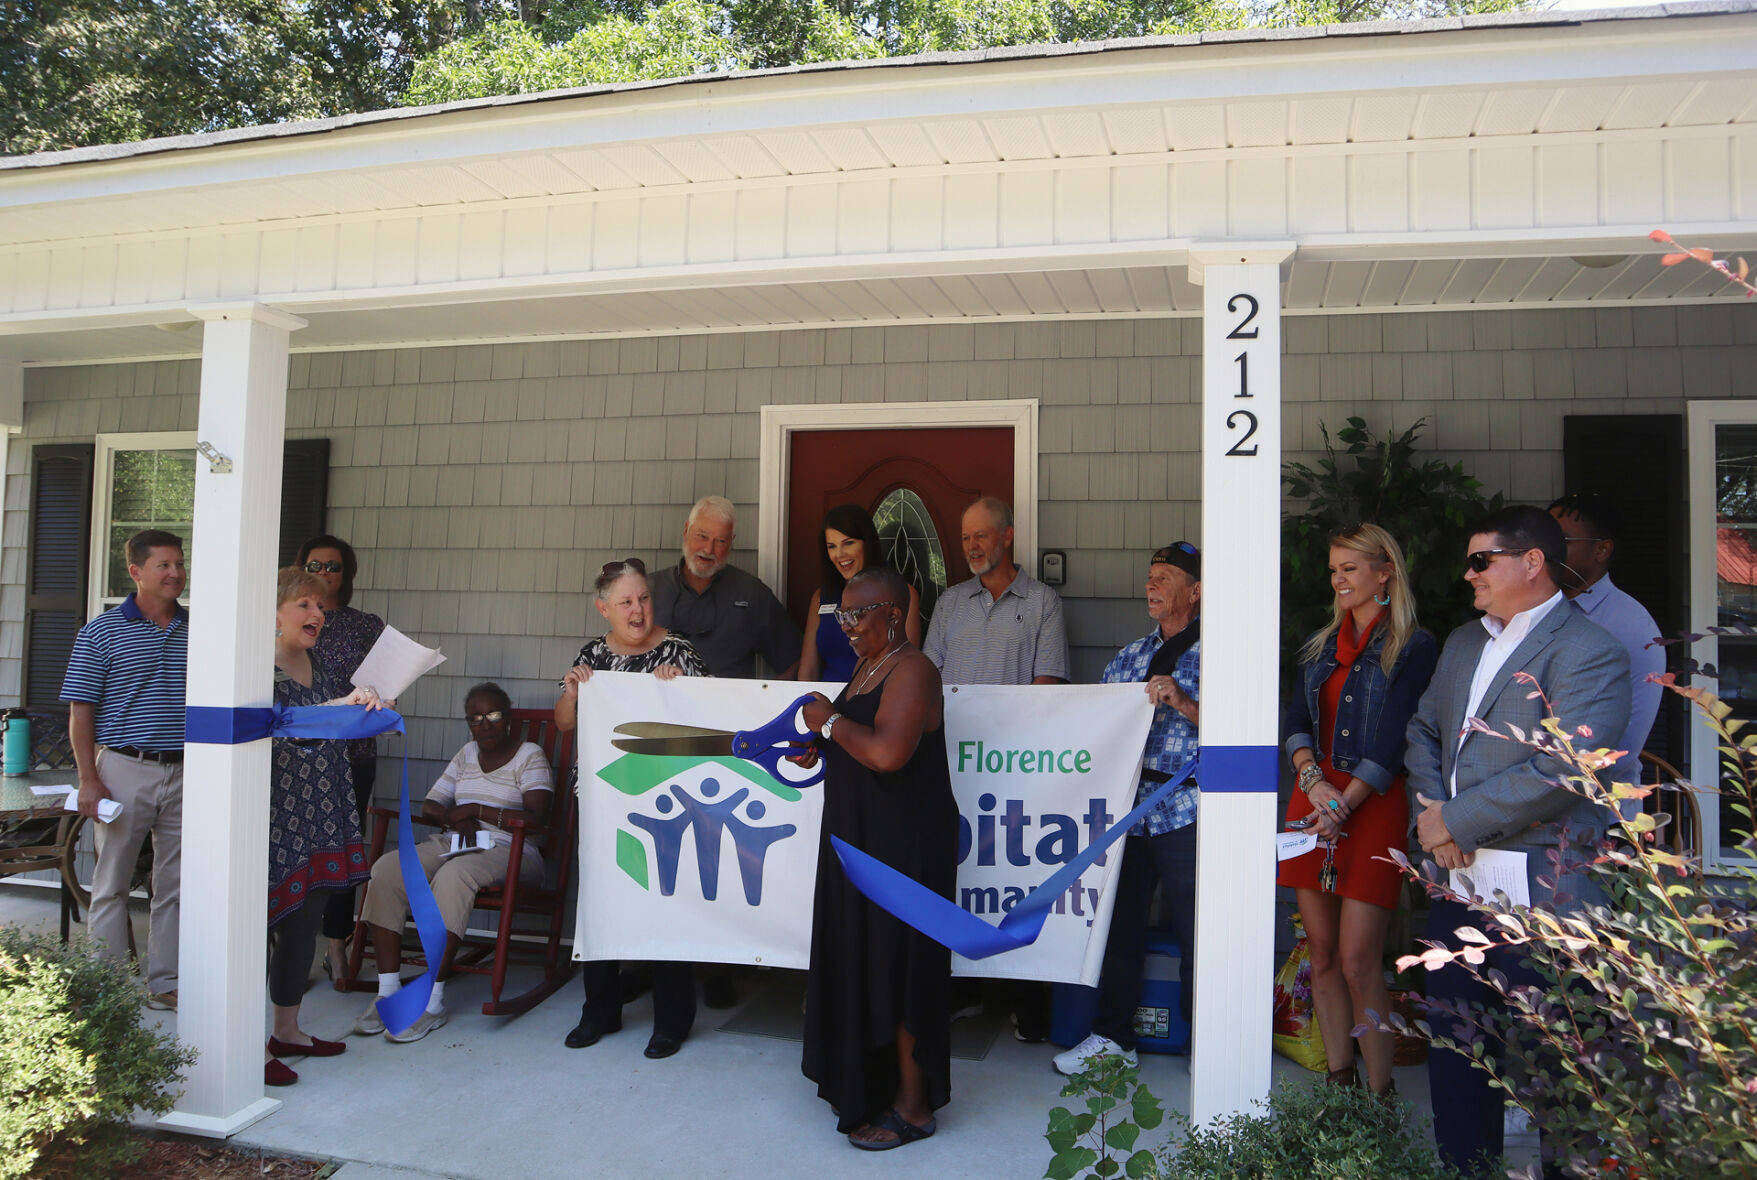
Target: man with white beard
{"points": [[728, 615]]}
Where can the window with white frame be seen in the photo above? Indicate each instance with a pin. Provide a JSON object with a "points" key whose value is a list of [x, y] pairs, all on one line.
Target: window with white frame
{"points": [[139, 481], [1723, 594]]}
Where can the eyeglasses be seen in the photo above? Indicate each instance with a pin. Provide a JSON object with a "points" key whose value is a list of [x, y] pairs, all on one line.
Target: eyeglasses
{"points": [[1588, 540], [612, 568], [476, 719], [852, 616], [323, 567], [1479, 561]]}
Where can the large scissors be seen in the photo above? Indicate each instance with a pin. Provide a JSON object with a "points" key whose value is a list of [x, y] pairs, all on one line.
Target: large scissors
{"points": [[769, 746]]}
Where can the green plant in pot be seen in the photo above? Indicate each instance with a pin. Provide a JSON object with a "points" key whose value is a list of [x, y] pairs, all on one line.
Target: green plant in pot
{"points": [[1427, 505]]}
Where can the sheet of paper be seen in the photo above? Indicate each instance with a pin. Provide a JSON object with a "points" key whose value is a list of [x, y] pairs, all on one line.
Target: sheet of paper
{"points": [[482, 843], [46, 789], [108, 809], [1495, 869], [1291, 844], [394, 663]]}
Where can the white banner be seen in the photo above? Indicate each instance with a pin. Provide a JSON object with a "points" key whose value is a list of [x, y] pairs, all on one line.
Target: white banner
{"points": [[709, 859]]}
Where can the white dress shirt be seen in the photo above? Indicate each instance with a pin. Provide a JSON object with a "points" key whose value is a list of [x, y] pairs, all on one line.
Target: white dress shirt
{"points": [[1503, 639]]}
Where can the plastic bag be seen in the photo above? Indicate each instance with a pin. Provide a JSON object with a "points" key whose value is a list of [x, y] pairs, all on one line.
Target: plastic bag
{"points": [[1296, 1022]]}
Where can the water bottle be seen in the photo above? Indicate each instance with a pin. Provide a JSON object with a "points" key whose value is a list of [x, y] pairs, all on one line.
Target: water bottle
{"points": [[16, 758]]}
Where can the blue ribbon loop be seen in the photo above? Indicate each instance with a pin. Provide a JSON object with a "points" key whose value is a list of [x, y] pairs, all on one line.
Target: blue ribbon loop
{"points": [[221, 726], [953, 927]]}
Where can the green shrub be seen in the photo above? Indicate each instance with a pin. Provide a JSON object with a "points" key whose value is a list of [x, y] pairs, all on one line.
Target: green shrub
{"points": [[1307, 1132], [74, 1059], [1099, 1142]]}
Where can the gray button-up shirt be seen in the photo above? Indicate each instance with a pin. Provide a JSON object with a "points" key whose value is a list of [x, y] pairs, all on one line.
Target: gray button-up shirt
{"points": [[1013, 639], [728, 623]]}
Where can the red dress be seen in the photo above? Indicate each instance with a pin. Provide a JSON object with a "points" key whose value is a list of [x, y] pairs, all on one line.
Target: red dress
{"points": [[1378, 825]]}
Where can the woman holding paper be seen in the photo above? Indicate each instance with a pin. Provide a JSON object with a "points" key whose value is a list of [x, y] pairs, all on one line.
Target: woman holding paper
{"points": [[314, 842], [850, 542], [347, 635], [634, 643], [494, 778], [878, 1000], [1360, 679]]}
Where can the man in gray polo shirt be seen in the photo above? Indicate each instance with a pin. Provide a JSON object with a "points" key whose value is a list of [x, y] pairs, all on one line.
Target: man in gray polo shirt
{"points": [[1001, 627], [728, 615]]}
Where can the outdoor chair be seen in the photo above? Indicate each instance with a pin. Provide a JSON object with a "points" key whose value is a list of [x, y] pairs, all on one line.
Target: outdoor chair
{"points": [[1685, 829], [535, 944]]}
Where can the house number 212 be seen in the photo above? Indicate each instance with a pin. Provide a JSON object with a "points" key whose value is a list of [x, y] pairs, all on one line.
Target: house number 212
{"points": [[1243, 419]]}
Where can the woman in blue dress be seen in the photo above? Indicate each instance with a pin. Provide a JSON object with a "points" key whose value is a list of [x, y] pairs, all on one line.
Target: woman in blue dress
{"points": [[850, 543]]}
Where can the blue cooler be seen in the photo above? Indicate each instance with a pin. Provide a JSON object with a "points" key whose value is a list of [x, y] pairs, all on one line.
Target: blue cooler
{"points": [[1159, 1022]]}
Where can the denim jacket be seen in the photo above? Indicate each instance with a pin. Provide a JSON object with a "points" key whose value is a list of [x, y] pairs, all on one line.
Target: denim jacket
{"points": [[1374, 710]]}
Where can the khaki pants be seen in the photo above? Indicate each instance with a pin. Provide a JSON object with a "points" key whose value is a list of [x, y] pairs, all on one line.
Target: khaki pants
{"points": [[455, 882], [151, 795]]}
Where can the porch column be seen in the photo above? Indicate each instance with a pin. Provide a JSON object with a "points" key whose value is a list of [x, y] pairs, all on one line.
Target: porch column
{"points": [[231, 664], [1241, 606]]}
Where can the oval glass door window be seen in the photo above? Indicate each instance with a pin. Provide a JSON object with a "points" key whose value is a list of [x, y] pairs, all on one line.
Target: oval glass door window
{"points": [[910, 545]]}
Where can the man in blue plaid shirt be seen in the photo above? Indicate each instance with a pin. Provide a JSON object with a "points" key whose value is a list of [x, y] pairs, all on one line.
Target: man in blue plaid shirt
{"points": [[1161, 849]]}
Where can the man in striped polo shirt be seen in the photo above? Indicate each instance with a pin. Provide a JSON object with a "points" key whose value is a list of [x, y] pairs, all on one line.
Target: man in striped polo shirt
{"points": [[1000, 627], [124, 687]]}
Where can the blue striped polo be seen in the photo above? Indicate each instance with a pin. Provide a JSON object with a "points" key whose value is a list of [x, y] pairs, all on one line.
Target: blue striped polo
{"points": [[975, 638], [133, 671]]}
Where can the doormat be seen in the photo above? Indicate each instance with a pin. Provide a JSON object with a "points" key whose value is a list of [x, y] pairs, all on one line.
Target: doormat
{"points": [[776, 1010]]}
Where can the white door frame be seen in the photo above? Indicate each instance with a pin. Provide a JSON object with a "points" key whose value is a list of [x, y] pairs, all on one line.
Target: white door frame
{"points": [[779, 423]]}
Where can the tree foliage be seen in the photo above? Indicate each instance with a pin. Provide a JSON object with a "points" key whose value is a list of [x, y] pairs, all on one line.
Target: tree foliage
{"points": [[76, 72]]}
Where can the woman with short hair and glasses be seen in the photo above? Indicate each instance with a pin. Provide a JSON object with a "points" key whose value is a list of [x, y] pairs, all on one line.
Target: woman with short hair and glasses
{"points": [[348, 634], [634, 643], [1360, 679], [493, 779]]}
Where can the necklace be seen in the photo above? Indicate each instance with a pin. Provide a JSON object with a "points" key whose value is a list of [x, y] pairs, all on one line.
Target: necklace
{"points": [[867, 681]]}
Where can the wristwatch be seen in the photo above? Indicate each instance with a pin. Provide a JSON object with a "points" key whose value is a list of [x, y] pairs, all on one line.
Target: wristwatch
{"points": [[828, 722]]}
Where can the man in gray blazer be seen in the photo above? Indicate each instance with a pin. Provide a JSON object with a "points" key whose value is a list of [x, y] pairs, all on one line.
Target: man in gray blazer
{"points": [[1472, 791]]}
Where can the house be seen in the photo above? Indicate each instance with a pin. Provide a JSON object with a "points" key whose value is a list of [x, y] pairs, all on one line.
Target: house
{"points": [[1132, 276]]}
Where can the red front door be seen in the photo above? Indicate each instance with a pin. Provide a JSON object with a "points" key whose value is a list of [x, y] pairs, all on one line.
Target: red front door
{"points": [[916, 483]]}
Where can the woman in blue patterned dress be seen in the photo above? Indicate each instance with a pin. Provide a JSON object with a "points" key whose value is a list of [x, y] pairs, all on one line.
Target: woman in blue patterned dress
{"points": [[347, 635], [314, 841], [851, 542]]}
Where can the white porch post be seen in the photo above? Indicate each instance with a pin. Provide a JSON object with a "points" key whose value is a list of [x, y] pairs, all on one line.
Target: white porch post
{"points": [[231, 664], [1241, 607]]}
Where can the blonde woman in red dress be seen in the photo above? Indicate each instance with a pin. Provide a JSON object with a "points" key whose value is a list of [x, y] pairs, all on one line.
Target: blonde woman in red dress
{"points": [[1360, 679]]}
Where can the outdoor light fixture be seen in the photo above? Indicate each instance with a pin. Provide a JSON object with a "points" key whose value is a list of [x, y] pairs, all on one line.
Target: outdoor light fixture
{"points": [[217, 463]]}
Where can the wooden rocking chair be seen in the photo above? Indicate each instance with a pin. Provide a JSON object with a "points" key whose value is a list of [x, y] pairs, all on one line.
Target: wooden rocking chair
{"points": [[538, 944]]}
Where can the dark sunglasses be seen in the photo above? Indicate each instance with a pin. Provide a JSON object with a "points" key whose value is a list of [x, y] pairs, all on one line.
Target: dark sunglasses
{"points": [[1479, 561], [612, 568], [475, 719], [323, 567]]}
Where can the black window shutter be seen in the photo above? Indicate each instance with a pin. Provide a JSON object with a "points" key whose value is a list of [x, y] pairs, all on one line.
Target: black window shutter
{"points": [[304, 493], [1637, 463], [60, 540]]}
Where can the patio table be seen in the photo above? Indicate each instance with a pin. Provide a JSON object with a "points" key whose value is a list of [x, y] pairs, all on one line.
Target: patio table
{"points": [[18, 806]]}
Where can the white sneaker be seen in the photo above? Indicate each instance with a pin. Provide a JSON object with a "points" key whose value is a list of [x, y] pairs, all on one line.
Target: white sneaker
{"points": [[369, 1023], [1085, 1055], [426, 1024]]}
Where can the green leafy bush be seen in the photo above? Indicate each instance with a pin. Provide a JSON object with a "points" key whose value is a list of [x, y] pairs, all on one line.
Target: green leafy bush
{"points": [[75, 1060], [1643, 1063], [1307, 1132]]}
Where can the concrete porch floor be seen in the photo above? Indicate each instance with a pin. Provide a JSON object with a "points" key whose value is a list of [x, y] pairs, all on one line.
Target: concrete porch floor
{"points": [[495, 1098]]}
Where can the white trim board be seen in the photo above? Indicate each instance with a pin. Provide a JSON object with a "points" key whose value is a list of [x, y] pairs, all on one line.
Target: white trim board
{"points": [[779, 423]]}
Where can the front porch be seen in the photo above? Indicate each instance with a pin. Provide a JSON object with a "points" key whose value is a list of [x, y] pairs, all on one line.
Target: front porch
{"points": [[502, 1099]]}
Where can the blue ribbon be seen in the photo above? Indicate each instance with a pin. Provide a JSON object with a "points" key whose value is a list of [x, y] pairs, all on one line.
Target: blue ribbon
{"points": [[217, 725], [951, 925]]}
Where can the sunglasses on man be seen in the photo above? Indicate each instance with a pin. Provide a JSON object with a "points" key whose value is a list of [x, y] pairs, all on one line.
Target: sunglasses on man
{"points": [[1478, 562]]}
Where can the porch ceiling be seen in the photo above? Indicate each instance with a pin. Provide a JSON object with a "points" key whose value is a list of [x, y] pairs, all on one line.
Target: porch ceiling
{"points": [[1311, 287]]}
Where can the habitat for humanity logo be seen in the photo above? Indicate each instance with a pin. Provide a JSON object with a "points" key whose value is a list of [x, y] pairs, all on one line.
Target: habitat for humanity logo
{"points": [[679, 800]]}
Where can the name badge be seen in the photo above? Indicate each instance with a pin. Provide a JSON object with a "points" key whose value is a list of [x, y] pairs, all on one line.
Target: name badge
{"points": [[828, 608]]}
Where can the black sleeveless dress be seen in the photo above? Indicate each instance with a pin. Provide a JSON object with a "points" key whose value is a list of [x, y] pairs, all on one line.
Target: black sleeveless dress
{"points": [[870, 972]]}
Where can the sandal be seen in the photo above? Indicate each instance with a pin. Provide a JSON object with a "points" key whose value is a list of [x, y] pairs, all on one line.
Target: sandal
{"points": [[904, 1130]]}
